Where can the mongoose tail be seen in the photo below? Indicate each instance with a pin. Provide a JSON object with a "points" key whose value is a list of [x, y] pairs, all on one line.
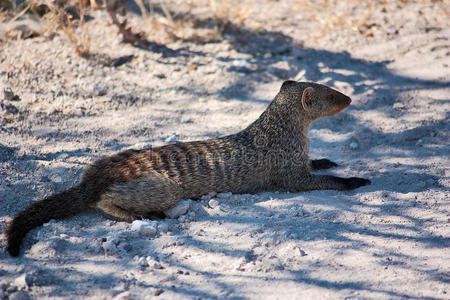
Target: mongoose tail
{"points": [[57, 206]]}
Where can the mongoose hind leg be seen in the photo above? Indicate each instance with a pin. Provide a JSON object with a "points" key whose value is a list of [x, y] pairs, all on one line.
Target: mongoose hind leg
{"points": [[322, 164], [108, 208], [148, 196]]}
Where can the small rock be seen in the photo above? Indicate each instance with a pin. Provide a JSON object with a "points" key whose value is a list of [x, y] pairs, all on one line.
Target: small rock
{"points": [[398, 106], [21, 281], [123, 296], [142, 262], [171, 139], [209, 196], [302, 252], [127, 247], [153, 263], [44, 131], [160, 75], [144, 227], [182, 219], [142, 145], [294, 236], [56, 178], [48, 248], [421, 184], [8, 108], [186, 119], [100, 90], [226, 195], [19, 295], [241, 63], [213, 203], [181, 208], [62, 156], [2, 294], [109, 247], [354, 145], [9, 95], [163, 227]]}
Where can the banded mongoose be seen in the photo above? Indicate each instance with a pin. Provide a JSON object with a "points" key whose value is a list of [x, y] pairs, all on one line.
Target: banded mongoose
{"points": [[270, 154]]}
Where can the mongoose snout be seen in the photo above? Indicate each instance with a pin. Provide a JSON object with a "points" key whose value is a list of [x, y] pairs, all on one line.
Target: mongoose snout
{"points": [[338, 102]]}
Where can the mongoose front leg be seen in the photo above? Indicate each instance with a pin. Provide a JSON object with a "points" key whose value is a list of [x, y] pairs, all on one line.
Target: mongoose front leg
{"points": [[329, 182], [322, 164]]}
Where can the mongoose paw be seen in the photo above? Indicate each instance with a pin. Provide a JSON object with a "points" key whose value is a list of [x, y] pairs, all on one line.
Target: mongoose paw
{"points": [[14, 250], [321, 164], [355, 182]]}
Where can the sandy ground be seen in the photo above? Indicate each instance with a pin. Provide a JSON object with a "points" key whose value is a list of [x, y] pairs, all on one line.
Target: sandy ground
{"points": [[388, 240]]}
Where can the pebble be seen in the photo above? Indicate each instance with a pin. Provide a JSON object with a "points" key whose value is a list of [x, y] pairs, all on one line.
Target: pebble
{"points": [[153, 263], [123, 296], [209, 196], [213, 203], [126, 247], [171, 138], [186, 119], [19, 295], [226, 195], [100, 90], [354, 145], [163, 227], [142, 262], [21, 281], [144, 227], [241, 63], [110, 247], [302, 252], [142, 145], [8, 94], [35, 278], [2, 293], [421, 184], [44, 131], [398, 106], [48, 248], [181, 208], [8, 108], [62, 156]]}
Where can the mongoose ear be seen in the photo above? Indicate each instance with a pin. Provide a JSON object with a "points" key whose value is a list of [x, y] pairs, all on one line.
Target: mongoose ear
{"points": [[286, 83], [307, 97]]}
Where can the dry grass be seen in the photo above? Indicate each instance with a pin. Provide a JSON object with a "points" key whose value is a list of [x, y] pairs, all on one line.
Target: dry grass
{"points": [[354, 15], [73, 28], [207, 20], [57, 17], [190, 24]]}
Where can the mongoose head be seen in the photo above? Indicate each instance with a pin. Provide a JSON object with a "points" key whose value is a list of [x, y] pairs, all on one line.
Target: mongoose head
{"points": [[314, 100]]}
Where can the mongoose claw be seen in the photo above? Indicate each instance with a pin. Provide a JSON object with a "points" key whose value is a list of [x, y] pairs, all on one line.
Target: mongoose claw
{"points": [[322, 164], [355, 182]]}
